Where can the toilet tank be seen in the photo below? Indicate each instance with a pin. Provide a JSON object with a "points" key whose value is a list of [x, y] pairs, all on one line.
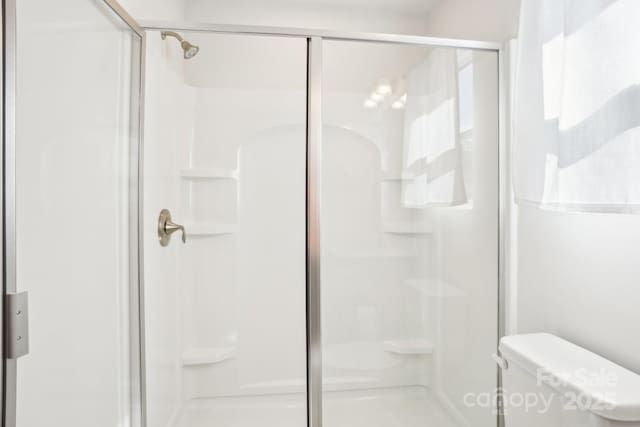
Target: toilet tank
{"points": [[550, 382]]}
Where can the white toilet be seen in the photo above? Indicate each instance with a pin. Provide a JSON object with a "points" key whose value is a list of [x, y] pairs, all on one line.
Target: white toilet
{"points": [[549, 382]]}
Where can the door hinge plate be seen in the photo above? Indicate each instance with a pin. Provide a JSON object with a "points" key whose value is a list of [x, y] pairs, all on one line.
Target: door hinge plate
{"points": [[17, 318]]}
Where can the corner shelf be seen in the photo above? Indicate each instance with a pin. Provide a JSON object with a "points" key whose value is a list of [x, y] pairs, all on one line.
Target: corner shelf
{"points": [[407, 228], [207, 356], [209, 173], [408, 346], [209, 229]]}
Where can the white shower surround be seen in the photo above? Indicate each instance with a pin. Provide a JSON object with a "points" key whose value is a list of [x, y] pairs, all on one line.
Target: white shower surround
{"points": [[208, 175]]}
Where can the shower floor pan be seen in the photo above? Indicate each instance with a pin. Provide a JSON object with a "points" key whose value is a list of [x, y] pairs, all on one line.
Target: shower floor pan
{"points": [[397, 407]]}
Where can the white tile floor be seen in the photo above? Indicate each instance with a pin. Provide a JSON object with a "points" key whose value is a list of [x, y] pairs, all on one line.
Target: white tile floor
{"points": [[396, 407]]}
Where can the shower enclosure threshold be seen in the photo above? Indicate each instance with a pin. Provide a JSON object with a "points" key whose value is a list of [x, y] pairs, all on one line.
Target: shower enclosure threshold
{"points": [[411, 406]]}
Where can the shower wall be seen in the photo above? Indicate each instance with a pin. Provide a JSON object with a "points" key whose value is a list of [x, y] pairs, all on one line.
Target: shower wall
{"points": [[576, 278], [226, 154], [163, 10], [468, 257], [169, 110], [378, 323], [410, 226], [243, 269]]}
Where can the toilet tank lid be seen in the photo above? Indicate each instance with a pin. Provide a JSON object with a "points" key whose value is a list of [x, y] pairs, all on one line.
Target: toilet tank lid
{"points": [[588, 381]]}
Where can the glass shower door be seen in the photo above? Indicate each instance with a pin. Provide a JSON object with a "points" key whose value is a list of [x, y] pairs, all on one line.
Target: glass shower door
{"points": [[225, 311], [409, 234], [71, 213]]}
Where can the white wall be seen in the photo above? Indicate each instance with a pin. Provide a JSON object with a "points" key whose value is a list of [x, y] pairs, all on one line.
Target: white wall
{"points": [[493, 20], [163, 10], [468, 19], [578, 278], [398, 16]]}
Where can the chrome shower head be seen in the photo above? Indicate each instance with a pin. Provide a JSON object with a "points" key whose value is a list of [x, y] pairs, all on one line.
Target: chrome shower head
{"points": [[190, 50]]}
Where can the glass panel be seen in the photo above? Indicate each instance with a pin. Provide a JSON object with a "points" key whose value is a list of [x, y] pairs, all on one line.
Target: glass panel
{"points": [[76, 139], [409, 235], [225, 313]]}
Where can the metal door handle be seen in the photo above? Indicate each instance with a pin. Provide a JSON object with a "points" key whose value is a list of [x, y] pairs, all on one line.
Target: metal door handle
{"points": [[166, 228]]}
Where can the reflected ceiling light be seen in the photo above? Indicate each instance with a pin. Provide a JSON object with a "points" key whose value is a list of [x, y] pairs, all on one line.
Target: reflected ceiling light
{"points": [[384, 87], [370, 103], [399, 103], [190, 50], [376, 97]]}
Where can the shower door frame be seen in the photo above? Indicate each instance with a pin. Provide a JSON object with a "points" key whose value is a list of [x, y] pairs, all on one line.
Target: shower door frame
{"points": [[315, 39], [8, 88]]}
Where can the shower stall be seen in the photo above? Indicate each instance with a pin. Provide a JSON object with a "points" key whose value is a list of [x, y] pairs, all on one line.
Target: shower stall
{"points": [[339, 196]]}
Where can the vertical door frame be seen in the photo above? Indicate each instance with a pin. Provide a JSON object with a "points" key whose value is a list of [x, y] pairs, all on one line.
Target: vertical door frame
{"points": [[8, 371], [8, 199], [503, 218], [314, 204]]}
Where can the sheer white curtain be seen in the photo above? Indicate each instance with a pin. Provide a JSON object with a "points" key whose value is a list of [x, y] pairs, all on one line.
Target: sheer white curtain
{"points": [[432, 170], [577, 105]]}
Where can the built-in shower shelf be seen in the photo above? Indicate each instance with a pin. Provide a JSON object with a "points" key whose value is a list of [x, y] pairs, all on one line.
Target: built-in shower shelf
{"points": [[207, 356], [434, 288], [210, 229], [209, 173], [408, 346], [408, 228]]}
